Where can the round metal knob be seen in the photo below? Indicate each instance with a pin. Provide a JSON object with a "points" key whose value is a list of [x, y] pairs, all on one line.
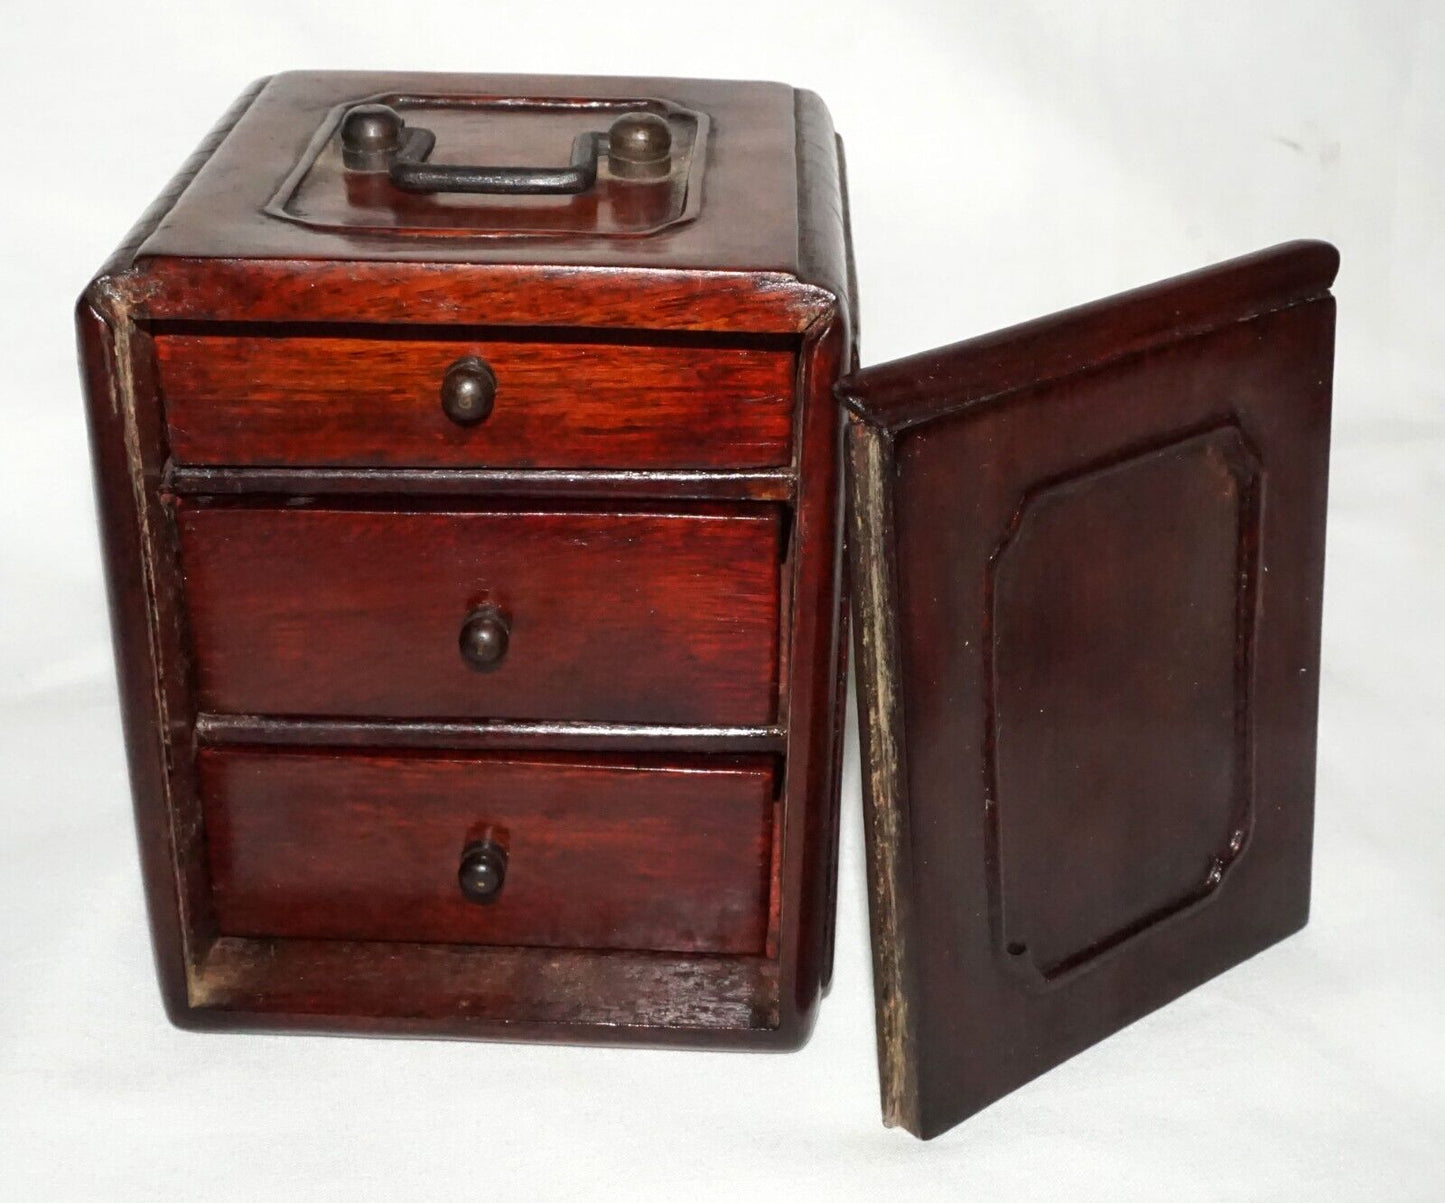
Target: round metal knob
{"points": [[370, 136], [483, 871], [639, 147], [484, 638], [468, 390]]}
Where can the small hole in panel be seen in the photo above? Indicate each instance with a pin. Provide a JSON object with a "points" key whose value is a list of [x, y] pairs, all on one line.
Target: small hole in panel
{"points": [[1015, 949]]}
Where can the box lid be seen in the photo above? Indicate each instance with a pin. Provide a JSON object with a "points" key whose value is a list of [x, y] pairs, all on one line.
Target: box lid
{"points": [[1087, 557], [732, 142]]}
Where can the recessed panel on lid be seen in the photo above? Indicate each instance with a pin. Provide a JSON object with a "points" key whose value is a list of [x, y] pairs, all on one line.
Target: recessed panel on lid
{"points": [[504, 131]]}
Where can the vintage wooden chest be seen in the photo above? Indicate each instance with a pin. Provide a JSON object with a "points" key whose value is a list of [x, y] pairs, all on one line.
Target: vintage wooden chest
{"points": [[472, 456]]}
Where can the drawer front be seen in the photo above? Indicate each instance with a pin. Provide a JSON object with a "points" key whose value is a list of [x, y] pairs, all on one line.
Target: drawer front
{"points": [[640, 617], [672, 856], [370, 402]]}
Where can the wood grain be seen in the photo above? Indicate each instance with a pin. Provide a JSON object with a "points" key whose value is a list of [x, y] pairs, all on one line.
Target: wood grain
{"points": [[638, 854], [484, 992], [642, 297], [645, 617], [373, 402]]}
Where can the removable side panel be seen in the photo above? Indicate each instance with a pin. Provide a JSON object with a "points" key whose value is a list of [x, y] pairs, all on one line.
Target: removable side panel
{"points": [[1088, 553], [302, 399], [667, 856], [1109, 664], [638, 617]]}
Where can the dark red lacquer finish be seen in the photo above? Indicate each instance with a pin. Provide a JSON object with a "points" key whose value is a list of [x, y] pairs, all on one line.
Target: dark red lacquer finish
{"points": [[476, 574]]}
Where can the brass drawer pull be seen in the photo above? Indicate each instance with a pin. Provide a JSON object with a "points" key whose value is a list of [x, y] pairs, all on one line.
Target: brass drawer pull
{"points": [[484, 638], [468, 390], [483, 871]]}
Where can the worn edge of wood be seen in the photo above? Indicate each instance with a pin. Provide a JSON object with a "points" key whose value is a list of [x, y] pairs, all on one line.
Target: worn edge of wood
{"points": [[880, 728], [907, 392], [110, 297], [124, 394]]}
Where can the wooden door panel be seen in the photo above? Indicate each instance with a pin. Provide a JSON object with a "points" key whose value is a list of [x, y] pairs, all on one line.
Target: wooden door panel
{"points": [[1088, 554]]}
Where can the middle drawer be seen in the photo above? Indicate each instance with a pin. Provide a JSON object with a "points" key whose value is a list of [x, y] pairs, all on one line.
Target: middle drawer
{"points": [[647, 617]]}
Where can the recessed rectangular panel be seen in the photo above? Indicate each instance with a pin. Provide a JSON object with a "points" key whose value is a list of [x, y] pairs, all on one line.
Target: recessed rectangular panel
{"points": [[1121, 618], [499, 131], [275, 192]]}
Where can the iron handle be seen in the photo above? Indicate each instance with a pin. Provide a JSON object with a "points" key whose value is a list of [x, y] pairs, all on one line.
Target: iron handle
{"points": [[375, 138]]}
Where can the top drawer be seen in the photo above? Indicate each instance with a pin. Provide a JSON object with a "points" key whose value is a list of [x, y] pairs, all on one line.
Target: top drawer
{"points": [[374, 402]]}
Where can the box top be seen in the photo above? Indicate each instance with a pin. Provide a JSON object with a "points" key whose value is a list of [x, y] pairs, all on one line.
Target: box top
{"points": [[278, 186]]}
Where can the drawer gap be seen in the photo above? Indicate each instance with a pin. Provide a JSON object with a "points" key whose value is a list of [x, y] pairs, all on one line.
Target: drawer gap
{"points": [[399, 485], [562, 335]]}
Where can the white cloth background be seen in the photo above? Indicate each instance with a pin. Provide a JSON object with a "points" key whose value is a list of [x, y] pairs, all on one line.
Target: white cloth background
{"points": [[1076, 149]]}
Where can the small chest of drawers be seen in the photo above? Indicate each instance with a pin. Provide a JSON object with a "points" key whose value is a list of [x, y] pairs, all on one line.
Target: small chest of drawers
{"points": [[478, 572], [474, 457]]}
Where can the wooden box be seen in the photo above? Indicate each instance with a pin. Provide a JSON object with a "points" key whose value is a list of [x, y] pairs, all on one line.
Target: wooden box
{"points": [[474, 458]]}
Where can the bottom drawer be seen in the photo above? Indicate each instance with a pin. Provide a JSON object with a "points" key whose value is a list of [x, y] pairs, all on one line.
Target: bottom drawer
{"points": [[662, 855]]}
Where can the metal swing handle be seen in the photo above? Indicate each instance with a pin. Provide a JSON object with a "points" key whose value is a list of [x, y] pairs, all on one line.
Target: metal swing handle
{"points": [[374, 138]]}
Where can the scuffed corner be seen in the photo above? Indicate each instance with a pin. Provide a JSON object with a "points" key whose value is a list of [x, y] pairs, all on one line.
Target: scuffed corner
{"points": [[115, 398]]}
